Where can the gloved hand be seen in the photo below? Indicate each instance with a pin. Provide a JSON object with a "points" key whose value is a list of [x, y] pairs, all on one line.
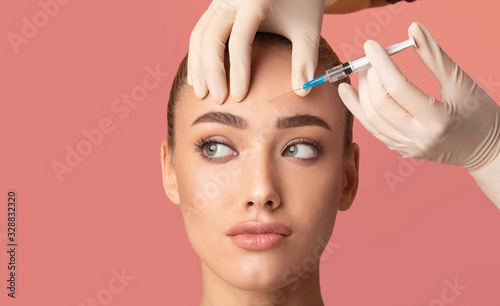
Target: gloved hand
{"points": [[298, 20], [462, 128]]}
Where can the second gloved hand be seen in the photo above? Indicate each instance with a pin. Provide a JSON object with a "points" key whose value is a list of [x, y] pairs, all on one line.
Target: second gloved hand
{"points": [[462, 128]]}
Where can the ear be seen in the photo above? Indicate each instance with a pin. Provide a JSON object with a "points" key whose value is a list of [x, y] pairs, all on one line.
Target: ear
{"points": [[351, 174], [168, 173]]}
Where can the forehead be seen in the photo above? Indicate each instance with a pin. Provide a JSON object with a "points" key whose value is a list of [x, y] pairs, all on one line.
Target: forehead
{"points": [[270, 77]]}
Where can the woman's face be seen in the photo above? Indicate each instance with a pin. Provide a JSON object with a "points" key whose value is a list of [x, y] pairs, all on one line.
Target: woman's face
{"points": [[261, 162]]}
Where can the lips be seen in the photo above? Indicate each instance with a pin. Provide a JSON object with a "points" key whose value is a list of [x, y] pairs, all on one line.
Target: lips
{"points": [[258, 236]]}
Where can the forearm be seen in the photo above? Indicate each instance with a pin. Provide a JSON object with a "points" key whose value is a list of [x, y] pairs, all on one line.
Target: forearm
{"points": [[488, 179], [349, 6]]}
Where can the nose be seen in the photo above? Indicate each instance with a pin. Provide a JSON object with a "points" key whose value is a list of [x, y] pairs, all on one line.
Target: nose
{"points": [[260, 182]]}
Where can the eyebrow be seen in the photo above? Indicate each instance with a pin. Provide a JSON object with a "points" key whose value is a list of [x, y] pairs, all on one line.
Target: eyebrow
{"points": [[280, 123]]}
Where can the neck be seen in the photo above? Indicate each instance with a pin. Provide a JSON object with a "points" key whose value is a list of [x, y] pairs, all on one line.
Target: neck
{"points": [[305, 290]]}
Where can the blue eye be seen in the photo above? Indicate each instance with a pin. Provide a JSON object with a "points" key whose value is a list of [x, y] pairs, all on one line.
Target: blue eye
{"points": [[300, 151], [213, 149], [303, 148]]}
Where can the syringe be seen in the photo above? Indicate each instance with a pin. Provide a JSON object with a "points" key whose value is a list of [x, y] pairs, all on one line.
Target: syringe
{"points": [[343, 70]]}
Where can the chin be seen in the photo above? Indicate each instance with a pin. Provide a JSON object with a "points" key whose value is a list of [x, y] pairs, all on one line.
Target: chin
{"points": [[261, 273], [258, 282]]}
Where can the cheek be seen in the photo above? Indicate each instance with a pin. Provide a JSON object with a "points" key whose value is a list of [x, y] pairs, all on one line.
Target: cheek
{"points": [[203, 194], [317, 198], [203, 185], [314, 197], [317, 187]]}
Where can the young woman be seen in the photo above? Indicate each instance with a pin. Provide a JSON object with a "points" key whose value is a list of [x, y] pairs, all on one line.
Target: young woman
{"points": [[259, 183]]}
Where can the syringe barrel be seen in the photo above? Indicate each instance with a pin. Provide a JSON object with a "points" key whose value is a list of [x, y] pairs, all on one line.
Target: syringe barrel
{"points": [[363, 61], [359, 63], [338, 72], [343, 70]]}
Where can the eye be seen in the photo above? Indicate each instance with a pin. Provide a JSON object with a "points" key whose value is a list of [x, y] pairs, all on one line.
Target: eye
{"points": [[213, 149], [300, 151], [303, 148]]}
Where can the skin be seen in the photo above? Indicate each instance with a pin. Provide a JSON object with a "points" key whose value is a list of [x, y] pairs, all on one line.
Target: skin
{"points": [[241, 19], [257, 179]]}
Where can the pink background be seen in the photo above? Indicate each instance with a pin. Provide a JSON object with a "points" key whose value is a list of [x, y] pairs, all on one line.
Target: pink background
{"points": [[396, 246]]}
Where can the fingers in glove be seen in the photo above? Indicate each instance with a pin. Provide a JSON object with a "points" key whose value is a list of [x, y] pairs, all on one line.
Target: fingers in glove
{"points": [[214, 45], [196, 76], [351, 99], [240, 47], [380, 124], [411, 98], [387, 108], [449, 75], [304, 60]]}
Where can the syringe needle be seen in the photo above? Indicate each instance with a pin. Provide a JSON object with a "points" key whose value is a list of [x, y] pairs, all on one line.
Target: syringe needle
{"points": [[345, 69], [283, 94]]}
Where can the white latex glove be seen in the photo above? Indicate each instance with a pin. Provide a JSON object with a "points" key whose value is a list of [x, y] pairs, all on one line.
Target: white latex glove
{"points": [[298, 20], [463, 128]]}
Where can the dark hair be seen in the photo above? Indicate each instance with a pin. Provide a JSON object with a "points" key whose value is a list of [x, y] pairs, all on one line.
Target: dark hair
{"points": [[326, 60]]}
